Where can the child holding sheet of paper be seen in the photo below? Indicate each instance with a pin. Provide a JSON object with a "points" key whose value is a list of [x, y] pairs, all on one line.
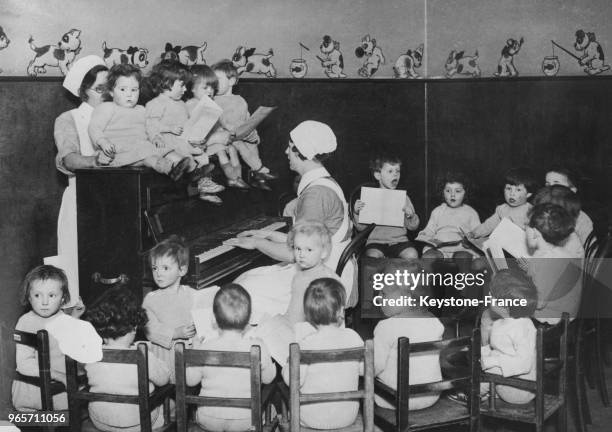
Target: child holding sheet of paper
{"points": [[389, 241]]}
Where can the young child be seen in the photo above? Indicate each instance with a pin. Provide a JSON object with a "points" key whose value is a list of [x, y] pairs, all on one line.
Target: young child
{"points": [[45, 289], [235, 113], [118, 128], [388, 241], [311, 244], [556, 273], [232, 310], [566, 198], [449, 219], [168, 308], [511, 346], [520, 185], [562, 176], [204, 84], [116, 318], [165, 118], [415, 323], [324, 308]]}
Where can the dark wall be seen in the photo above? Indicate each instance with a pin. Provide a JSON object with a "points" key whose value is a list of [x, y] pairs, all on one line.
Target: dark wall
{"points": [[483, 127]]}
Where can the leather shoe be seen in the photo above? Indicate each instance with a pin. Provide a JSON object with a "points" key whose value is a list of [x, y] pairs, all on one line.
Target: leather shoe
{"points": [[260, 184], [238, 183], [258, 175], [200, 172]]}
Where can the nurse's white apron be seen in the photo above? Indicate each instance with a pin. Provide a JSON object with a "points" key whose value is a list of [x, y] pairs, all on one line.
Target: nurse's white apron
{"points": [[67, 241]]}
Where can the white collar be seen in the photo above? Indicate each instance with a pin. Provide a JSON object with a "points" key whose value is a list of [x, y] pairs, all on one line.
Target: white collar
{"points": [[311, 176], [85, 109]]}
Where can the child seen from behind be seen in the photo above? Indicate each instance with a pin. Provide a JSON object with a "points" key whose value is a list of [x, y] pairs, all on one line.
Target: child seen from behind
{"points": [[116, 318], [415, 323], [324, 302], [389, 241], [232, 310]]}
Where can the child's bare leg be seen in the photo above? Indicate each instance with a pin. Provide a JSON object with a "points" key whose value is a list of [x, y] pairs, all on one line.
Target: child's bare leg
{"points": [[158, 163], [249, 154], [234, 161], [409, 253]]}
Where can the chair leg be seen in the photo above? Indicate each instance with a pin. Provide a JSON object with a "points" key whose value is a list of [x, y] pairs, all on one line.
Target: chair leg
{"points": [[562, 418], [601, 374], [583, 415]]}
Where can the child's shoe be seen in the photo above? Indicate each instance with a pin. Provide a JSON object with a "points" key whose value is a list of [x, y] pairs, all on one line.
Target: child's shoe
{"points": [[179, 169], [259, 183], [207, 186], [201, 171], [263, 173], [238, 183], [211, 198]]}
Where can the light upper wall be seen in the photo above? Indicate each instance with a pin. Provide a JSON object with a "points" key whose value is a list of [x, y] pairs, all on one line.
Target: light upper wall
{"points": [[397, 25]]}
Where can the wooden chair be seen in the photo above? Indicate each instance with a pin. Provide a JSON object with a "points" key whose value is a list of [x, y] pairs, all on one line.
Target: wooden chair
{"points": [[146, 401], [548, 365], [445, 412], [48, 386], [258, 400], [365, 421]]}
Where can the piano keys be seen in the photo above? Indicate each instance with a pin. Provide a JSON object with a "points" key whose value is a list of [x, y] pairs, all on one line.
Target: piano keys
{"points": [[123, 212]]}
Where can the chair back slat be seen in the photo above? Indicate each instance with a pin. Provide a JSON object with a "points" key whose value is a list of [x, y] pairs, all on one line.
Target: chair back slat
{"points": [[185, 358], [469, 381], [139, 357], [297, 357], [354, 248]]}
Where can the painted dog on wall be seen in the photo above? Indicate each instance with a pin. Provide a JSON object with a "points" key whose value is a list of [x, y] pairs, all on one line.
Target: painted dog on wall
{"points": [[593, 57], [60, 55], [373, 55], [506, 62], [133, 55], [247, 60], [406, 64]]}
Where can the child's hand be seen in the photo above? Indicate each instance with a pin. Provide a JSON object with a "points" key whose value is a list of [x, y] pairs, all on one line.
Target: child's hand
{"points": [[254, 233], [102, 159], [358, 206], [107, 147], [175, 130], [184, 332], [242, 242], [408, 210]]}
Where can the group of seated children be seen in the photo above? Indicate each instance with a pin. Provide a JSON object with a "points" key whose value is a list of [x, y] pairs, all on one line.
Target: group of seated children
{"points": [[318, 298], [155, 135]]}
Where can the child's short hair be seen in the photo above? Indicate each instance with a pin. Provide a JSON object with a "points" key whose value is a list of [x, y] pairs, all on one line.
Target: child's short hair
{"points": [[379, 161], [515, 284], [43, 273], [552, 221], [122, 70], [572, 178], [174, 247], [522, 176], [203, 73], [232, 307], [454, 177], [310, 228], [89, 79], [560, 195], [323, 300], [227, 67], [117, 313], [164, 74]]}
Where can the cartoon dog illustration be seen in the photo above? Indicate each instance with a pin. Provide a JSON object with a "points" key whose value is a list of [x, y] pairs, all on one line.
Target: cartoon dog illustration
{"points": [[593, 57], [332, 60], [246, 60], [406, 64], [60, 55], [4, 41], [373, 56], [132, 55], [506, 62], [457, 63], [188, 55]]}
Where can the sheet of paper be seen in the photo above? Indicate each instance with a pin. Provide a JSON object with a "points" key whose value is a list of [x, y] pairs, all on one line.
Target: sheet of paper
{"points": [[382, 206], [509, 237], [277, 334], [203, 118], [249, 126], [72, 274]]}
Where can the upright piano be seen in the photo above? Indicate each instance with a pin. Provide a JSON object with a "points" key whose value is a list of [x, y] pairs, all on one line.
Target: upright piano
{"points": [[123, 212]]}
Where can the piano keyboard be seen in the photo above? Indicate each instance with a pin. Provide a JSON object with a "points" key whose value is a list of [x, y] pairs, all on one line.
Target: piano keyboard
{"points": [[221, 249]]}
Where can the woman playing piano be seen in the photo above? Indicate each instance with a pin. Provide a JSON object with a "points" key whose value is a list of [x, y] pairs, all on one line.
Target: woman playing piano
{"points": [[321, 199], [86, 80]]}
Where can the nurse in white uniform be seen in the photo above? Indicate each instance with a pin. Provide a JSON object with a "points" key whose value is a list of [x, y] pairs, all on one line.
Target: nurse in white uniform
{"points": [[86, 80], [319, 198]]}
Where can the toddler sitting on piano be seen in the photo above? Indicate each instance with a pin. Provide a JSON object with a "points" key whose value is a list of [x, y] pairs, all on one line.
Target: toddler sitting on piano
{"points": [[168, 308]]}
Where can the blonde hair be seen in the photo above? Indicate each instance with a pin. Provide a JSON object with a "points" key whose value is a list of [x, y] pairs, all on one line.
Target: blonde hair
{"points": [[311, 229]]}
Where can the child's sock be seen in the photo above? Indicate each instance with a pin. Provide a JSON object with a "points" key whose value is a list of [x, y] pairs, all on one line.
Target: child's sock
{"points": [[202, 159], [228, 170]]}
